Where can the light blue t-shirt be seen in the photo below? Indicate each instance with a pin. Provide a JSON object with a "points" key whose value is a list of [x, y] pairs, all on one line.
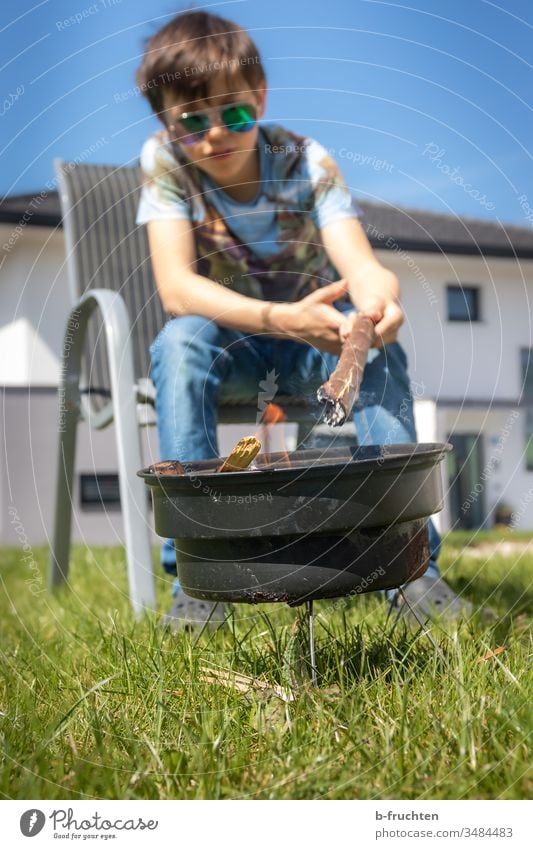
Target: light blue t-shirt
{"points": [[269, 247]]}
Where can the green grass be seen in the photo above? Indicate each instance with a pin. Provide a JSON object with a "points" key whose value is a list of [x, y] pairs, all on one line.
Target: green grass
{"points": [[476, 537], [96, 704]]}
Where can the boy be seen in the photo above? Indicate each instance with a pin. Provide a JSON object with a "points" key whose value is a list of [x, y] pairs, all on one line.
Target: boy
{"points": [[249, 226]]}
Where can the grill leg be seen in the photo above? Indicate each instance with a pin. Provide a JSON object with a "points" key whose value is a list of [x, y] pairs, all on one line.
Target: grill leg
{"points": [[433, 642], [422, 624], [311, 622], [392, 614]]}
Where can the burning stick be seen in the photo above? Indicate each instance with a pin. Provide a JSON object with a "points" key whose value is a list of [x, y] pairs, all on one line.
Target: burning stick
{"points": [[341, 391], [241, 455], [167, 467]]}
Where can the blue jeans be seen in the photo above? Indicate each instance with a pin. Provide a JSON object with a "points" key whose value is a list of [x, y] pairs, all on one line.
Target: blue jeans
{"points": [[196, 363]]}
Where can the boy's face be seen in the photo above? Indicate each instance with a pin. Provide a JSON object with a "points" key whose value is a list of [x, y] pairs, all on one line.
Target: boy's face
{"points": [[221, 153]]}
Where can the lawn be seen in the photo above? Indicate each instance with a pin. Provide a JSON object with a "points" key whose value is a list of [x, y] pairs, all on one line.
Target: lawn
{"points": [[96, 704]]}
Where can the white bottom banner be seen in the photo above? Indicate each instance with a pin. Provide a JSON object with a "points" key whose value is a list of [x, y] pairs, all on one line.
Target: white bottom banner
{"points": [[269, 825]]}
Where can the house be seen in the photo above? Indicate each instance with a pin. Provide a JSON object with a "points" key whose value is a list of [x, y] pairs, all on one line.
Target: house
{"points": [[467, 290]]}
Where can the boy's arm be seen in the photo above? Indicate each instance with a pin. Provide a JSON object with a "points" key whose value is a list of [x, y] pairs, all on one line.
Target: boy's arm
{"points": [[373, 288], [184, 292]]}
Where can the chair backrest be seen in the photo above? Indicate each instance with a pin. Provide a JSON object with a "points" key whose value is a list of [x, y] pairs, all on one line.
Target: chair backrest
{"points": [[106, 249]]}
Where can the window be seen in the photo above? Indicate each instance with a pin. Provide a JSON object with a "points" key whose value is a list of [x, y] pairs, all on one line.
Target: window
{"points": [[99, 492], [526, 391], [463, 303], [526, 386], [529, 439]]}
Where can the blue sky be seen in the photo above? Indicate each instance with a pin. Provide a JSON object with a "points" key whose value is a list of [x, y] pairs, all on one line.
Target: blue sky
{"points": [[423, 104]]}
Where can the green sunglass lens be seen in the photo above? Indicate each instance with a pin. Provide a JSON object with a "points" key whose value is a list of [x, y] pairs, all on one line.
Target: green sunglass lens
{"points": [[239, 119], [195, 123]]}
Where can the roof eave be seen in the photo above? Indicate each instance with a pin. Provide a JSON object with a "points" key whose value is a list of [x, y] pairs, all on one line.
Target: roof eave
{"points": [[452, 248]]}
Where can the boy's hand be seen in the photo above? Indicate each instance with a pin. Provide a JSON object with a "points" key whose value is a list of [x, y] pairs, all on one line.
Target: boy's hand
{"points": [[312, 319], [387, 314], [373, 288]]}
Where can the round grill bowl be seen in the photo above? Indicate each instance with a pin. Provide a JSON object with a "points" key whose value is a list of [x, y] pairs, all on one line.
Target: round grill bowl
{"points": [[312, 524]]}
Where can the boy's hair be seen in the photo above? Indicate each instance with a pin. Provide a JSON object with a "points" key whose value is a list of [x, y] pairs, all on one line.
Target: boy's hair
{"points": [[186, 53]]}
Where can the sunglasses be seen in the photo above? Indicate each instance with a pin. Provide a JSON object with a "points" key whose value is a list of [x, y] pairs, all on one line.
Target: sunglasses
{"points": [[236, 117]]}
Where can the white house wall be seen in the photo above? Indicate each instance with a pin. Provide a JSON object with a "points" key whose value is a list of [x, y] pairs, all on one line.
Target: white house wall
{"points": [[447, 361], [34, 299], [14, 352], [458, 359]]}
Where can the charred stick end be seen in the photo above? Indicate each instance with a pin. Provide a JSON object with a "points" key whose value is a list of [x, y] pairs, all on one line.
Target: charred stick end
{"points": [[334, 414], [341, 391]]}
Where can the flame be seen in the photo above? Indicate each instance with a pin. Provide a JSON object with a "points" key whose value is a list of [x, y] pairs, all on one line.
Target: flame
{"points": [[272, 414]]}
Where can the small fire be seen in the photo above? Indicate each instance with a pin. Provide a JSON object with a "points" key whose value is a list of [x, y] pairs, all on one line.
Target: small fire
{"points": [[272, 414]]}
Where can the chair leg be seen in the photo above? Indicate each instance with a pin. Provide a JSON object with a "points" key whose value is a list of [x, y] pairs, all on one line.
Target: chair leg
{"points": [[133, 496], [124, 399], [58, 565], [134, 506]]}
